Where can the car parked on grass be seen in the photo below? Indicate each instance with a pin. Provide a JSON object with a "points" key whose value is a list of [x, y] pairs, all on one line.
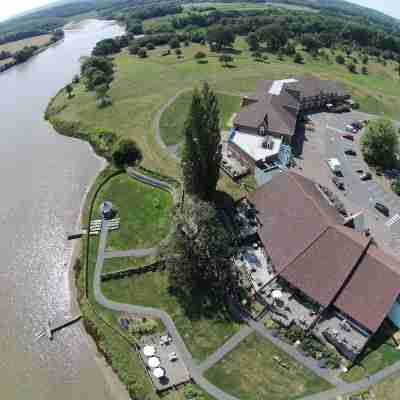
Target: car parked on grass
{"points": [[366, 176], [348, 137], [350, 152], [382, 209]]}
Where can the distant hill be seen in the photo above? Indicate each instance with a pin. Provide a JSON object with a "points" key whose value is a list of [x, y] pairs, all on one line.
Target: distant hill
{"points": [[345, 7]]}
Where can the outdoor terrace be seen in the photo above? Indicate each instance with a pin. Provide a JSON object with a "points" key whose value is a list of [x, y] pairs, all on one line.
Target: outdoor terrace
{"points": [[253, 260], [162, 361], [287, 306], [233, 166], [347, 338]]}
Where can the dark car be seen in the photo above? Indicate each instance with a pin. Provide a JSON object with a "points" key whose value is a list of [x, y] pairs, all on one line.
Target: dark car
{"points": [[350, 152], [366, 176], [348, 137], [382, 208], [338, 182]]}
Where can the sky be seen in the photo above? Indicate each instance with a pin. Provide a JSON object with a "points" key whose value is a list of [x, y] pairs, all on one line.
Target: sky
{"points": [[9, 8]]}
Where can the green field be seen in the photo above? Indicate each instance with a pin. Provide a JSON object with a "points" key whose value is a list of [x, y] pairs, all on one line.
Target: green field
{"points": [[142, 86], [145, 213], [250, 372], [173, 118], [13, 47], [203, 327]]}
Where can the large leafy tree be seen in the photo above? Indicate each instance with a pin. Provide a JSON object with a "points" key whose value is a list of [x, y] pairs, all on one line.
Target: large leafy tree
{"points": [[127, 153], [200, 251], [202, 149], [220, 36], [274, 35], [380, 143]]}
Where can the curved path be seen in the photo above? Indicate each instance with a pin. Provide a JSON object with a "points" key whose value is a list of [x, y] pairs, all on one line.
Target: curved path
{"points": [[196, 370]]}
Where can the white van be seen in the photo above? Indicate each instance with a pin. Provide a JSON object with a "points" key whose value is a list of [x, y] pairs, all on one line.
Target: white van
{"points": [[334, 165]]}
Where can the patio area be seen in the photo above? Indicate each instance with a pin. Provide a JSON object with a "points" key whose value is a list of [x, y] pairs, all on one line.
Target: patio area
{"points": [[162, 361], [256, 264], [233, 166], [287, 306], [345, 336]]}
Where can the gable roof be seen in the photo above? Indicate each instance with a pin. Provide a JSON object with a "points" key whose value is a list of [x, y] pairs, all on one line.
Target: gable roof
{"points": [[312, 249], [372, 290]]}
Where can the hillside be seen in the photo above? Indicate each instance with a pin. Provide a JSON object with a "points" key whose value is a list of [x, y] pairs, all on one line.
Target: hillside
{"points": [[344, 7]]}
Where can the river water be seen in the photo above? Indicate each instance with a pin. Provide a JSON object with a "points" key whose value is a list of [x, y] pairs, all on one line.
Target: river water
{"points": [[43, 178]]}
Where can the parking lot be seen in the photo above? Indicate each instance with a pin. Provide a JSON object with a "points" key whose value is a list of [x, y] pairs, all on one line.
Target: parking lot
{"points": [[325, 142]]}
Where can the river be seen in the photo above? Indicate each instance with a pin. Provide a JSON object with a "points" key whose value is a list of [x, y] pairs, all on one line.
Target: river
{"points": [[43, 179]]}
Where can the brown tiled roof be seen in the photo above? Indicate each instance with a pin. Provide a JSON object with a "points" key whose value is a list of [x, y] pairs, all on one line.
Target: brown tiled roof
{"points": [[372, 289], [291, 216], [312, 250], [310, 86], [321, 272]]}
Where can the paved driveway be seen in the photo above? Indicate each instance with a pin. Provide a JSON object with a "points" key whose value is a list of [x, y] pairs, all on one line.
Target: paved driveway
{"points": [[327, 142]]}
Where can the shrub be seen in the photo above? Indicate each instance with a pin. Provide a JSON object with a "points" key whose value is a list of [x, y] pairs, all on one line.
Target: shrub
{"points": [[352, 68], [396, 186], [150, 46], [340, 59], [76, 79], [133, 48], [178, 52], [142, 53], [174, 43], [126, 153], [364, 70], [144, 326], [199, 55], [298, 58]]}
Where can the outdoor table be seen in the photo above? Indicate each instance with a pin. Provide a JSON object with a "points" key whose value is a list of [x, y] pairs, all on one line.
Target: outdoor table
{"points": [[149, 351], [159, 372], [154, 362]]}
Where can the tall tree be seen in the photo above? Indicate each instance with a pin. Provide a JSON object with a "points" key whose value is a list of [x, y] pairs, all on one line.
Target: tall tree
{"points": [[380, 143], [200, 251], [202, 150]]}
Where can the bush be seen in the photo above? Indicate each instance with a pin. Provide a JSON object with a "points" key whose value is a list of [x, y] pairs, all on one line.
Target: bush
{"points": [[126, 153], [352, 68], [199, 55], [178, 52], [76, 79], [174, 43], [298, 58], [150, 46], [340, 59], [396, 186], [364, 70], [142, 53], [143, 326], [133, 48]]}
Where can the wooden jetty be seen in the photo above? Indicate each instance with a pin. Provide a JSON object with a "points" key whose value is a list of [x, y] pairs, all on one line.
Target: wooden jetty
{"points": [[49, 330]]}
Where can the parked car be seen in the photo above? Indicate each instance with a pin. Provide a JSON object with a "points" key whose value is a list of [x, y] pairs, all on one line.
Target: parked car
{"points": [[366, 176], [382, 208], [338, 108], [338, 182], [350, 152], [348, 137], [349, 128], [357, 125]]}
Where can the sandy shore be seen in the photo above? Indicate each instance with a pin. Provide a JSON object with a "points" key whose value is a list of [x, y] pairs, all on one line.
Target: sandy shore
{"points": [[117, 389]]}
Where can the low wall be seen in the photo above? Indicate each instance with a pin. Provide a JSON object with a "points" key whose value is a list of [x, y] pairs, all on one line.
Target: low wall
{"points": [[123, 273]]}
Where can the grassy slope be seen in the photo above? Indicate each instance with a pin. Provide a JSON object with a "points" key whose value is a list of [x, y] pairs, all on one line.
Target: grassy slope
{"points": [[142, 86], [250, 372], [144, 212], [203, 330], [19, 44], [173, 118], [117, 264]]}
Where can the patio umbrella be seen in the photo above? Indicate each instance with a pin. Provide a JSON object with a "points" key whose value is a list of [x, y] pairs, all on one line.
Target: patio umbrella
{"points": [[276, 294], [159, 372], [154, 362], [149, 351]]}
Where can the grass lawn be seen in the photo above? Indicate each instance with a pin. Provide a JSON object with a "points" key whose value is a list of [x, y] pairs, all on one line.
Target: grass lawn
{"points": [[204, 328], [145, 213], [173, 118], [12, 47], [388, 389], [380, 352], [142, 86], [249, 372], [120, 263]]}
